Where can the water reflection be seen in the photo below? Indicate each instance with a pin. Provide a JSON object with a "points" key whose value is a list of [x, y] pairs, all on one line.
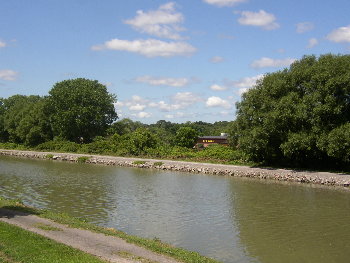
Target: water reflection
{"points": [[289, 223], [230, 219]]}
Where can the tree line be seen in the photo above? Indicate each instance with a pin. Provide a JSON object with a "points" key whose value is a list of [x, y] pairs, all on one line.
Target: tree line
{"points": [[78, 115], [296, 117]]}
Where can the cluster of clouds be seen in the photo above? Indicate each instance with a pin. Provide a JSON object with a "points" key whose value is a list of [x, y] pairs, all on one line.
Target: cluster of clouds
{"points": [[165, 23], [164, 81], [7, 74], [177, 106]]}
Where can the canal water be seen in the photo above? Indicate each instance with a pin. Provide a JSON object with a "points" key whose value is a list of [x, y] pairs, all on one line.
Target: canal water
{"points": [[229, 219]]}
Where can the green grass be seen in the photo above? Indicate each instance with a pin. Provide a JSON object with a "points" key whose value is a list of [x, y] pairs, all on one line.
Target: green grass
{"points": [[158, 164], [47, 227], [139, 162], [154, 245], [49, 156], [83, 159], [18, 245], [127, 255]]}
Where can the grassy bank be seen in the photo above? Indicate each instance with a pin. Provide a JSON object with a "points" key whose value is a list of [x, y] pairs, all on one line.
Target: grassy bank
{"points": [[153, 245], [18, 245], [213, 154]]}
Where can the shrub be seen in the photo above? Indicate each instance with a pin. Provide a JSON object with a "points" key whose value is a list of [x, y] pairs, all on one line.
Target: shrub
{"points": [[83, 159], [49, 156], [158, 164], [139, 162]]}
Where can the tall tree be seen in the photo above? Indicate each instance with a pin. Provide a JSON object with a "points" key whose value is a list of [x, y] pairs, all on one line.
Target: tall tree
{"points": [[81, 108], [296, 115], [186, 137]]}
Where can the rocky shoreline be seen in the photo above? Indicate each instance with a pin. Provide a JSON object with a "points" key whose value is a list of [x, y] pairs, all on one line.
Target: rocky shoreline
{"points": [[320, 178]]}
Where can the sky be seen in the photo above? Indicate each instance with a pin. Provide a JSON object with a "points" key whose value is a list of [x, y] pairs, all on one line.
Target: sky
{"points": [[184, 60]]}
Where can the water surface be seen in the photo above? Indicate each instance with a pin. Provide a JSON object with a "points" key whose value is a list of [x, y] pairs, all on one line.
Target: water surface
{"points": [[229, 219]]}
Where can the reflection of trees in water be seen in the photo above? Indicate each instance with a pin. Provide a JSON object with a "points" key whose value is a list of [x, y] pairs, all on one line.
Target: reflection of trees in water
{"points": [[292, 223], [64, 187]]}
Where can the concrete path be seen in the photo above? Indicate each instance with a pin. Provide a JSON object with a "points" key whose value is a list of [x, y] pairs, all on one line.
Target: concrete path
{"points": [[108, 248]]}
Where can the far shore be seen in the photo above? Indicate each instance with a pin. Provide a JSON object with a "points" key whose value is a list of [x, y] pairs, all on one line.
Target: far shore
{"points": [[320, 178]]}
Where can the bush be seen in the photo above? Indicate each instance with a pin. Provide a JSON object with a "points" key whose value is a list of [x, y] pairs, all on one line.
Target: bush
{"points": [[158, 164], [83, 159], [139, 162], [219, 152]]}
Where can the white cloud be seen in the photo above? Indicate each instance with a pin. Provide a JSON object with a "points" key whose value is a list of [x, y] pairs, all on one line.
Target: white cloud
{"points": [[312, 42], [341, 34], [136, 103], [148, 48], [217, 87], [163, 22], [180, 100], [180, 115], [245, 84], [224, 2], [217, 102], [2, 44], [304, 27], [269, 62], [261, 19], [217, 59], [163, 106], [142, 115], [7, 74], [224, 113], [137, 107], [185, 98], [137, 98], [172, 82], [108, 84]]}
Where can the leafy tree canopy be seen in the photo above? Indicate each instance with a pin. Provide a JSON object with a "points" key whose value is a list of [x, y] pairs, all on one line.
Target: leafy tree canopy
{"points": [[299, 115], [81, 108], [186, 137]]}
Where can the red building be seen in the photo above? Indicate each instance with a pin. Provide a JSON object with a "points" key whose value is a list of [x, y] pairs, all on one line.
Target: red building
{"points": [[204, 141]]}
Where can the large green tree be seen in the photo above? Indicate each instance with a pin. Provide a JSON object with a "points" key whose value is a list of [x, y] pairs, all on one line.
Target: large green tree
{"points": [[81, 108], [298, 115], [186, 137], [25, 120]]}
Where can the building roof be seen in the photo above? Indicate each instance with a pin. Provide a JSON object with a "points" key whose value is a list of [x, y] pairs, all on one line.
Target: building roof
{"points": [[212, 137]]}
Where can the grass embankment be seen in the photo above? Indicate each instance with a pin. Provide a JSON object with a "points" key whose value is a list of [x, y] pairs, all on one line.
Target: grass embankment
{"points": [[153, 245], [214, 154], [18, 245]]}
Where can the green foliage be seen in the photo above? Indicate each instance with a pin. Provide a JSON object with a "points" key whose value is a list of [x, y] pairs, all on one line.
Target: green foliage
{"points": [[80, 108], [290, 115], [186, 137], [124, 126], [139, 162], [139, 141], [25, 120], [158, 163], [83, 159], [58, 145], [219, 152], [49, 156]]}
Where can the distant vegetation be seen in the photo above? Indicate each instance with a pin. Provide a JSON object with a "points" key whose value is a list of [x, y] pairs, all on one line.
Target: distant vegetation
{"points": [[297, 117]]}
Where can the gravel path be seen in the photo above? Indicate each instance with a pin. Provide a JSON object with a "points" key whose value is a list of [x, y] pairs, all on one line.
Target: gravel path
{"points": [[320, 178], [110, 248]]}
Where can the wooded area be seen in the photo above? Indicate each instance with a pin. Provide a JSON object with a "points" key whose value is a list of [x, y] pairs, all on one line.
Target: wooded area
{"points": [[297, 117]]}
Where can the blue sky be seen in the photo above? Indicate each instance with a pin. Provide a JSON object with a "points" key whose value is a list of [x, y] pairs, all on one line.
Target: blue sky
{"points": [[184, 60]]}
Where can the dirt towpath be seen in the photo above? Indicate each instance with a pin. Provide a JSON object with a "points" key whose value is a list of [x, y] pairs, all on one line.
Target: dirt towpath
{"points": [[109, 248]]}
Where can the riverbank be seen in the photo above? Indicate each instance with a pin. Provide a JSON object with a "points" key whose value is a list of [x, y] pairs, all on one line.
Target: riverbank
{"points": [[320, 178], [107, 244]]}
